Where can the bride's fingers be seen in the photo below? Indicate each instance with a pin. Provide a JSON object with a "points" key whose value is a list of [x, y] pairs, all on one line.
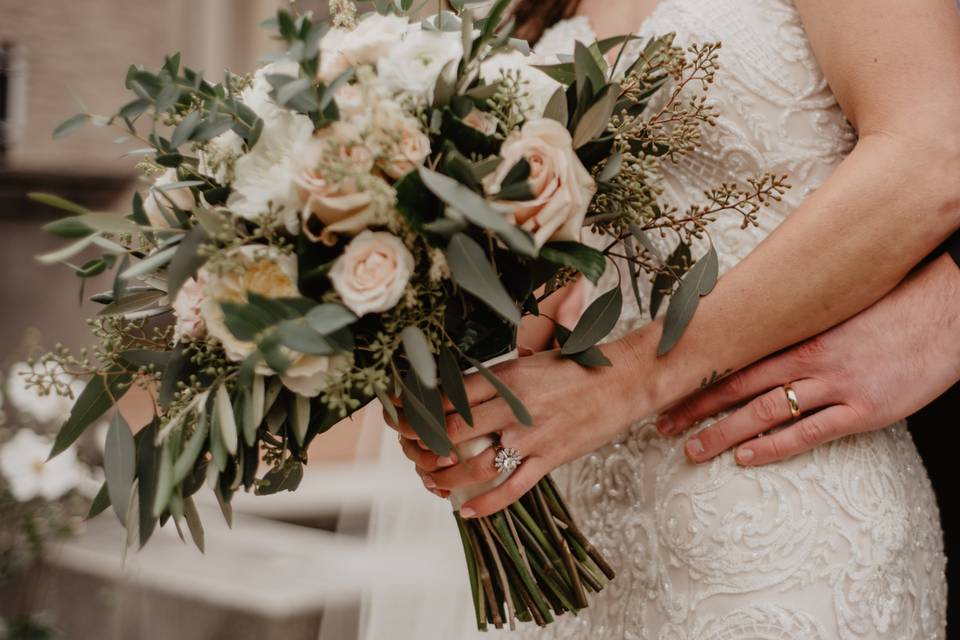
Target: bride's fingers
{"points": [[726, 393], [761, 414], [523, 479], [819, 428], [425, 461], [478, 469], [490, 417]]}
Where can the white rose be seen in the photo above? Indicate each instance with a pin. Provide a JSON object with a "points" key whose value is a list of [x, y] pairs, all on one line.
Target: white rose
{"points": [[371, 40], [157, 204], [538, 86], [561, 185], [372, 273], [333, 204], [270, 273], [186, 308], [415, 63]]}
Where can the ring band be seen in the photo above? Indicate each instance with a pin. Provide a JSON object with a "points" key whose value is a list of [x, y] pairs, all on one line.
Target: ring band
{"points": [[792, 401], [507, 459]]}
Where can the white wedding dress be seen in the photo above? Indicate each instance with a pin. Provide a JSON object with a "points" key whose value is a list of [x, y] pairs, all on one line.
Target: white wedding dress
{"points": [[842, 543]]}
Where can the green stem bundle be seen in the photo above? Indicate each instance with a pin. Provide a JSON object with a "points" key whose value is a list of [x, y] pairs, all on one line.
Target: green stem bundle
{"points": [[530, 562]]}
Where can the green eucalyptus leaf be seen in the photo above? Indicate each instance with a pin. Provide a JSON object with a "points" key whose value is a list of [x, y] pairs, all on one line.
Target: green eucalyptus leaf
{"points": [[586, 68], [585, 259], [452, 380], [188, 457], [119, 464], [677, 264], [100, 503], [596, 322], [421, 358], [519, 410], [192, 516], [557, 108], [328, 318], [471, 270], [423, 408], [58, 203], [596, 119], [95, 399], [70, 125], [132, 302], [699, 281], [226, 419]]}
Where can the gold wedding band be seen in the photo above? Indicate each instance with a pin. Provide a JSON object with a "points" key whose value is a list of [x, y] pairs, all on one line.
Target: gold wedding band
{"points": [[792, 401]]}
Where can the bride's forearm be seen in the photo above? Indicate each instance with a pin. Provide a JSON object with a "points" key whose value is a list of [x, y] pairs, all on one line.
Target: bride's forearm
{"points": [[886, 206]]}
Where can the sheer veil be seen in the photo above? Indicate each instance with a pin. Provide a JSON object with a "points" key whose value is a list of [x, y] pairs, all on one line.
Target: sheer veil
{"points": [[417, 587]]}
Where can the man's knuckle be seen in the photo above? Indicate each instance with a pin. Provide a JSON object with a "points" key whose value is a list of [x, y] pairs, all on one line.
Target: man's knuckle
{"points": [[765, 409], [812, 432], [735, 386], [812, 350]]}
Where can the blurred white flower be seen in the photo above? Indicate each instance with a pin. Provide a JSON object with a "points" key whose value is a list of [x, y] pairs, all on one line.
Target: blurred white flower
{"points": [[44, 409], [414, 64], [538, 86], [218, 158], [22, 463], [370, 41]]}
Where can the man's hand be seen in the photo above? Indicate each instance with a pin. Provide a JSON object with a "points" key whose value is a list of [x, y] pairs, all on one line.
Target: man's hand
{"points": [[878, 367]]}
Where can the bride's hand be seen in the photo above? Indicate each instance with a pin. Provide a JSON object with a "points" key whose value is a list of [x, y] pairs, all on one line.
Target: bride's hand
{"points": [[575, 410]]}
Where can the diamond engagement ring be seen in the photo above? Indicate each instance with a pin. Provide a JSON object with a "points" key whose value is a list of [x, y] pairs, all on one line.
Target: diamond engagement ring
{"points": [[506, 459]]}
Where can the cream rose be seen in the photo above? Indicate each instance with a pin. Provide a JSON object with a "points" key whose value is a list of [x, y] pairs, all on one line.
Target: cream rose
{"points": [[372, 273], [270, 273], [186, 307], [333, 204], [481, 121], [403, 145], [561, 185], [157, 204]]}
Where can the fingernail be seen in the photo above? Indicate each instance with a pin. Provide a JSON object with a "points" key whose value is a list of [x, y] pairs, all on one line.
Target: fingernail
{"points": [[664, 424], [694, 447], [445, 462], [429, 483], [744, 455], [467, 512]]}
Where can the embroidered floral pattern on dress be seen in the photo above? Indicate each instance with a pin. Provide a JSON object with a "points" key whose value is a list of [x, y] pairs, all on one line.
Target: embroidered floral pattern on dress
{"points": [[841, 543]]}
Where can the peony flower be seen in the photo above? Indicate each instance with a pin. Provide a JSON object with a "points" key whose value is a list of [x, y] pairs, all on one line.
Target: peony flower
{"points": [[416, 62], [266, 271], [50, 408], [23, 464], [370, 41], [538, 86], [561, 185], [335, 203], [373, 272], [481, 121], [263, 178], [186, 308], [157, 204]]}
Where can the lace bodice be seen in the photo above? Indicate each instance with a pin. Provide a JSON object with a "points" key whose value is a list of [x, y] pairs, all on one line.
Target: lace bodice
{"points": [[841, 543]]}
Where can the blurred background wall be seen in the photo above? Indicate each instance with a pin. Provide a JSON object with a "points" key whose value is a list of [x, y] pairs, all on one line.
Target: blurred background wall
{"points": [[57, 58]]}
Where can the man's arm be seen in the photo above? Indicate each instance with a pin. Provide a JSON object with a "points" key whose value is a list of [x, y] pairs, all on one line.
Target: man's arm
{"points": [[878, 367]]}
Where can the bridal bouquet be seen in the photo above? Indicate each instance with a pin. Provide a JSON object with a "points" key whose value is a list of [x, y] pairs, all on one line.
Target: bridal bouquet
{"points": [[368, 216]]}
